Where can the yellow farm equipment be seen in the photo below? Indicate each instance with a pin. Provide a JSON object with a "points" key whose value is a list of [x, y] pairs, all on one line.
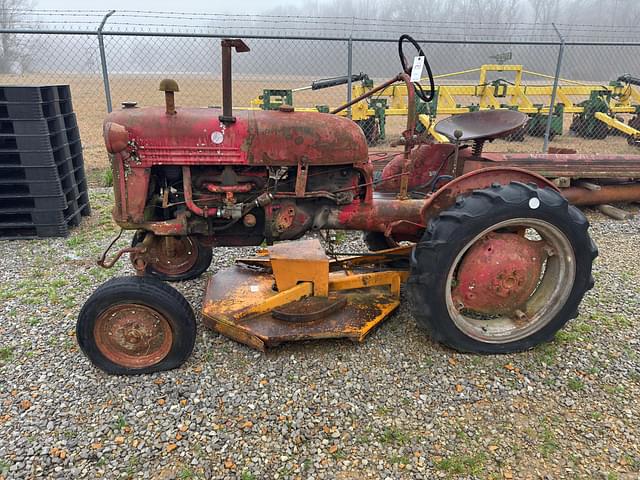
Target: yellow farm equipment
{"points": [[532, 97], [633, 135]]}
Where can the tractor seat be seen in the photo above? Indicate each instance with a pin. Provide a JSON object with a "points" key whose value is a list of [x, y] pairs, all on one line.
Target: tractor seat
{"points": [[482, 125]]}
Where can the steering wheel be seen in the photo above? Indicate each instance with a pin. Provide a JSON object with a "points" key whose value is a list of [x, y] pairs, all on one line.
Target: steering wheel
{"points": [[425, 97]]}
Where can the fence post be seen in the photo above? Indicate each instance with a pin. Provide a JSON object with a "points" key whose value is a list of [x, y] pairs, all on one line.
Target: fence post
{"points": [[349, 71], [103, 61], [556, 80]]}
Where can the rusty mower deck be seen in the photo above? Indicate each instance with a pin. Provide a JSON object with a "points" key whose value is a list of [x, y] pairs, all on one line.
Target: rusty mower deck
{"points": [[298, 293]]}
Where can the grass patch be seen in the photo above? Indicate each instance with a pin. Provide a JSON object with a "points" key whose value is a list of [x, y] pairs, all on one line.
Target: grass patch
{"points": [[546, 353], [121, 422], [614, 389], [610, 321], [247, 476], [339, 455], [186, 473], [107, 178], [575, 384], [6, 355], [463, 464], [340, 236], [399, 459], [548, 444], [393, 435], [33, 321], [35, 290]]}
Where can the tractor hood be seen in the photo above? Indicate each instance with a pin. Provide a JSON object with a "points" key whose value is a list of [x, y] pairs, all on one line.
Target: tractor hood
{"points": [[195, 136]]}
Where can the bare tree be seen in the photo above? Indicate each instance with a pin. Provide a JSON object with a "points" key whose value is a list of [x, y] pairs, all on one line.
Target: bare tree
{"points": [[12, 56], [545, 11]]}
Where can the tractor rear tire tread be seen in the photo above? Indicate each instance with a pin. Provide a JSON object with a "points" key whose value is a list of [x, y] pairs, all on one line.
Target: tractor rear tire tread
{"points": [[147, 291], [471, 214]]}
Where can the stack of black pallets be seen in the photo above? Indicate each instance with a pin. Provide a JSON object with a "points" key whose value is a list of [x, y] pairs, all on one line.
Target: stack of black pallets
{"points": [[43, 188]]}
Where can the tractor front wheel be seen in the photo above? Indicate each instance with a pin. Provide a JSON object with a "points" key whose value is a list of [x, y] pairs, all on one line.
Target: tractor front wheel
{"points": [[173, 259], [502, 270], [133, 325]]}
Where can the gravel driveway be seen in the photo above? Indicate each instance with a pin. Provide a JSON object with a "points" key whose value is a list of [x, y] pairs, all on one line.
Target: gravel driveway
{"points": [[396, 406]]}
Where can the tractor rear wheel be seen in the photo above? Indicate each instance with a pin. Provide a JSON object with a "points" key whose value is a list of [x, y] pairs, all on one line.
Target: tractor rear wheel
{"points": [[133, 325], [502, 270], [173, 259]]}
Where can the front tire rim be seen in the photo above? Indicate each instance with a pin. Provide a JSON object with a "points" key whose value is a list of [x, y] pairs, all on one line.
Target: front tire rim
{"points": [[180, 261], [133, 335], [549, 297]]}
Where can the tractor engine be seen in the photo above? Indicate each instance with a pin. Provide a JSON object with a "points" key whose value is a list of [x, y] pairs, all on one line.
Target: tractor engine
{"points": [[232, 181]]}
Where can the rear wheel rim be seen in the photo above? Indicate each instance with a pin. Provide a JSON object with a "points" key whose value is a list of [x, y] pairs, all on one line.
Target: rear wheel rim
{"points": [[549, 297], [133, 335]]}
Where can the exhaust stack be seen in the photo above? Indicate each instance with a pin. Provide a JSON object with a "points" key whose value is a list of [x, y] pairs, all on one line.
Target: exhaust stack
{"points": [[227, 96], [169, 87]]}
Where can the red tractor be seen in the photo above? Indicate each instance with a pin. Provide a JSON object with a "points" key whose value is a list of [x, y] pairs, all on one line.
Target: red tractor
{"points": [[500, 260]]}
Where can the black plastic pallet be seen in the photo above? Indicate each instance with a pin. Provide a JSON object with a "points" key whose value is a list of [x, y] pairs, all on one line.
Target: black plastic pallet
{"points": [[20, 143], [42, 188], [32, 94], [83, 199], [34, 111], [41, 126], [20, 228], [42, 173], [45, 216], [39, 158], [73, 134], [26, 143], [17, 202]]}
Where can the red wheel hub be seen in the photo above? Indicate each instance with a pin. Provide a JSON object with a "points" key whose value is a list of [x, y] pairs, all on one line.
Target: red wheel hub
{"points": [[170, 255], [499, 273], [133, 335]]}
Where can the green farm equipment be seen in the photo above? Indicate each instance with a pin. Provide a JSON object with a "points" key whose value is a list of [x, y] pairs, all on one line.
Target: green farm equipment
{"points": [[537, 124], [586, 124]]}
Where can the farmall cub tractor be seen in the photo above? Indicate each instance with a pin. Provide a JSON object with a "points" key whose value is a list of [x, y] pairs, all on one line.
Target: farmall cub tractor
{"points": [[499, 262]]}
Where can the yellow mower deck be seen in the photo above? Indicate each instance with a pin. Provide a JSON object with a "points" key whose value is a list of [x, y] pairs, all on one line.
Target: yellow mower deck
{"points": [[299, 294]]}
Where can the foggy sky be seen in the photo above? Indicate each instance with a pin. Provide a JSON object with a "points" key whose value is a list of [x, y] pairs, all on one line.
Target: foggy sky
{"points": [[211, 6]]}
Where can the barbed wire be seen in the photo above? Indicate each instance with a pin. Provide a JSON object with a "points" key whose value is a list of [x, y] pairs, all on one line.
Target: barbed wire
{"points": [[139, 21]]}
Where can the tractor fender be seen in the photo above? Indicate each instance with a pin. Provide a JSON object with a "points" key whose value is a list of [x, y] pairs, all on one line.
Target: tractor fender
{"points": [[446, 195]]}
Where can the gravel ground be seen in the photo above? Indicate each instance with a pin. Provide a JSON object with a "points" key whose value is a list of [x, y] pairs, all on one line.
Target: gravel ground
{"points": [[396, 406]]}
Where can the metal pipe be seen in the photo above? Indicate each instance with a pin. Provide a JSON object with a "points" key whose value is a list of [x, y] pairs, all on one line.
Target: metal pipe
{"points": [[240, 188], [377, 216], [188, 196], [170, 103], [411, 102], [629, 192], [615, 213], [103, 61], [349, 71], [116, 33], [227, 94], [554, 91], [367, 94]]}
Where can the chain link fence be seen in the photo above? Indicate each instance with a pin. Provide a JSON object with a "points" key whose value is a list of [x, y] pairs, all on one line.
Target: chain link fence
{"points": [[573, 90]]}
